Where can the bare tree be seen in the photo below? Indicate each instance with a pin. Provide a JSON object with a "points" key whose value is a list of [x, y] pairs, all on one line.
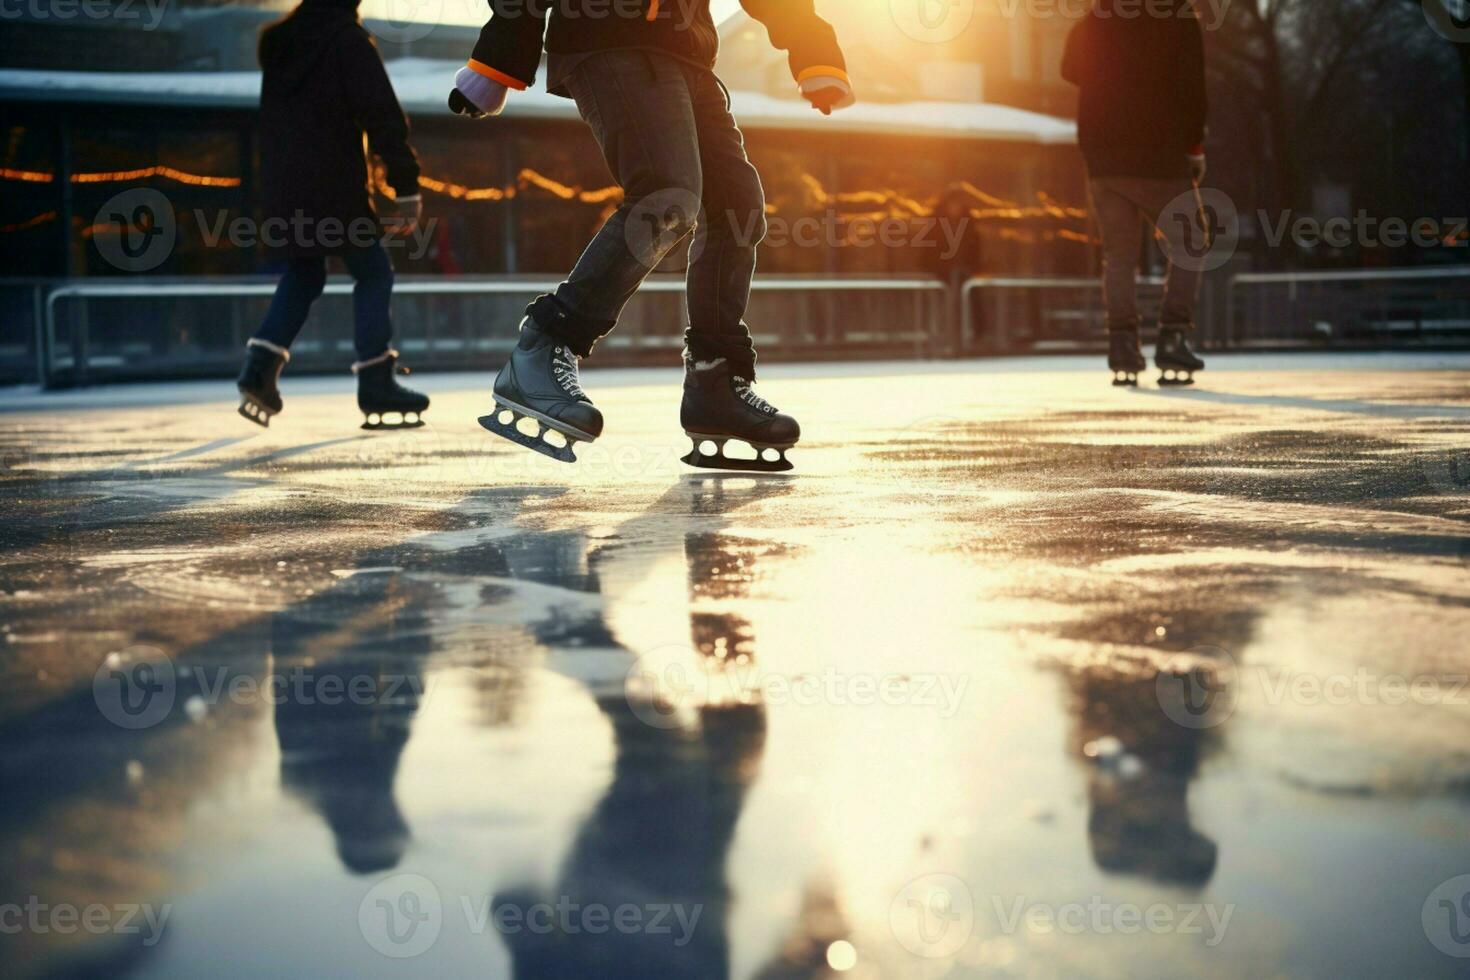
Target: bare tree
{"points": [[1451, 19], [1288, 57]]}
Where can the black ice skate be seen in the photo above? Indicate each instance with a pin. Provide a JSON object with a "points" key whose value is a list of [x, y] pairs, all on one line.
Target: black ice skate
{"points": [[385, 402], [1125, 358], [540, 383], [1174, 358], [720, 406], [260, 398]]}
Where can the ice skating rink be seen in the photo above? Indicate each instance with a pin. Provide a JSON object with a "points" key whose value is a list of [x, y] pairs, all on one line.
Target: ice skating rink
{"points": [[1017, 674]]}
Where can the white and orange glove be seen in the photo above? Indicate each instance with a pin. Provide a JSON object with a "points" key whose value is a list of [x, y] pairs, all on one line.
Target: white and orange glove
{"points": [[477, 95], [827, 89], [401, 215], [1197, 165]]}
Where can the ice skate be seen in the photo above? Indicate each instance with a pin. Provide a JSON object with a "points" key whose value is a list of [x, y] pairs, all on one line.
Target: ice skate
{"points": [[1125, 358], [1174, 358], [260, 398], [719, 406], [384, 402], [540, 383]]}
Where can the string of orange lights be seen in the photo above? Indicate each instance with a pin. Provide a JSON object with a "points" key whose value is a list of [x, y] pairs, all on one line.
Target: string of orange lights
{"points": [[891, 204]]}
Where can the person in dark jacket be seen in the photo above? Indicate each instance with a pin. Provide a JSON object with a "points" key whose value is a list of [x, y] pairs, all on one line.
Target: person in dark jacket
{"points": [[323, 88], [1141, 127], [641, 73]]}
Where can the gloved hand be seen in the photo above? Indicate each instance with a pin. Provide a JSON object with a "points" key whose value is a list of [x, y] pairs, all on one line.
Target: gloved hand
{"points": [[401, 215], [1197, 165], [827, 92], [475, 95]]}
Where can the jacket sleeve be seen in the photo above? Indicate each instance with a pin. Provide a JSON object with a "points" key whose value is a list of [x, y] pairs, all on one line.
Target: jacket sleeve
{"points": [[1075, 60], [377, 113], [810, 42], [509, 48], [1193, 101]]}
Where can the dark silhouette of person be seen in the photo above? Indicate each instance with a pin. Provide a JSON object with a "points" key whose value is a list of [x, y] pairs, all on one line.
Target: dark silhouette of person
{"points": [[661, 835], [1141, 126], [347, 683], [1139, 821]]}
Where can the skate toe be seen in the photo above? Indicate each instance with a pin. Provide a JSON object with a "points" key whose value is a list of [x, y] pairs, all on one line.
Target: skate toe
{"points": [[584, 416], [783, 431]]}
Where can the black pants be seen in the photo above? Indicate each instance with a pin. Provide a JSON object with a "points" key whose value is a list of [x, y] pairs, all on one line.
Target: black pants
{"points": [[304, 281], [667, 134]]}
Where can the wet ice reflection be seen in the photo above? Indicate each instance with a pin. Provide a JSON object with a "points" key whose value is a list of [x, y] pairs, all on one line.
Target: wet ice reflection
{"points": [[888, 718]]}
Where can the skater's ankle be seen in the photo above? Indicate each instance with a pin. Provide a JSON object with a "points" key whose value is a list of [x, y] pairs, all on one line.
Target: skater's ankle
{"points": [[370, 362], [276, 349]]}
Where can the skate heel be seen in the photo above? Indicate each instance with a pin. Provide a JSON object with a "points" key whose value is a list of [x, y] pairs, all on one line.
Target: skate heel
{"points": [[708, 453], [255, 412], [1176, 377], [378, 421], [506, 420]]}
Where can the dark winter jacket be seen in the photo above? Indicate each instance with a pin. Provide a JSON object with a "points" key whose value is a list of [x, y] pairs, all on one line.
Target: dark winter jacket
{"points": [[509, 49], [323, 87], [1142, 77]]}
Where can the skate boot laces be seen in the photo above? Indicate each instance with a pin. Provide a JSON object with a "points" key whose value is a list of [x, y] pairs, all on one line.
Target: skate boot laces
{"points": [[747, 394], [564, 368]]}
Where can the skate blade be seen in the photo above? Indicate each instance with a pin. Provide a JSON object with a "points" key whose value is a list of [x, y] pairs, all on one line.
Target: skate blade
{"points": [[717, 460], [537, 443], [380, 421], [1125, 379], [255, 412], [1175, 379]]}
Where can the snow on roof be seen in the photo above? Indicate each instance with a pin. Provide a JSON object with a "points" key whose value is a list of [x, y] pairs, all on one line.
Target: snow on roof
{"points": [[423, 85]]}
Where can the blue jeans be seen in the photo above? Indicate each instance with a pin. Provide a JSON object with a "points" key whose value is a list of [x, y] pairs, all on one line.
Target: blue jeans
{"points": [[666, 132], [304, 281]]}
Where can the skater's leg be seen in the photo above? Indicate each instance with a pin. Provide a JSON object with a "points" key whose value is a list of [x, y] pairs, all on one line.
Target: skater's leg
{"points": [[733, 223], [372, 295], [303, 282], [1121, 224], [1175, 209], [1186, 240], [638, 106]]}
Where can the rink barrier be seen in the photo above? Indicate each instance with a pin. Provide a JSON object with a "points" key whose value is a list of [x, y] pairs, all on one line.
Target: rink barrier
{"points": [[1037, 302], [928, 313], [1378, 308], [1361, 307]]}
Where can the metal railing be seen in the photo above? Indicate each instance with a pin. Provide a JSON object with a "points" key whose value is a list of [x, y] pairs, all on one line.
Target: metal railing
{"points": [[164, 328], [22, 316], [1373, 307], [1003, 315], [163, 336]]}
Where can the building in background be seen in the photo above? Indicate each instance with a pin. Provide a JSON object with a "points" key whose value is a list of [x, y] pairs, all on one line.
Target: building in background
{"points": [[522, 193], [946, 169]]}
